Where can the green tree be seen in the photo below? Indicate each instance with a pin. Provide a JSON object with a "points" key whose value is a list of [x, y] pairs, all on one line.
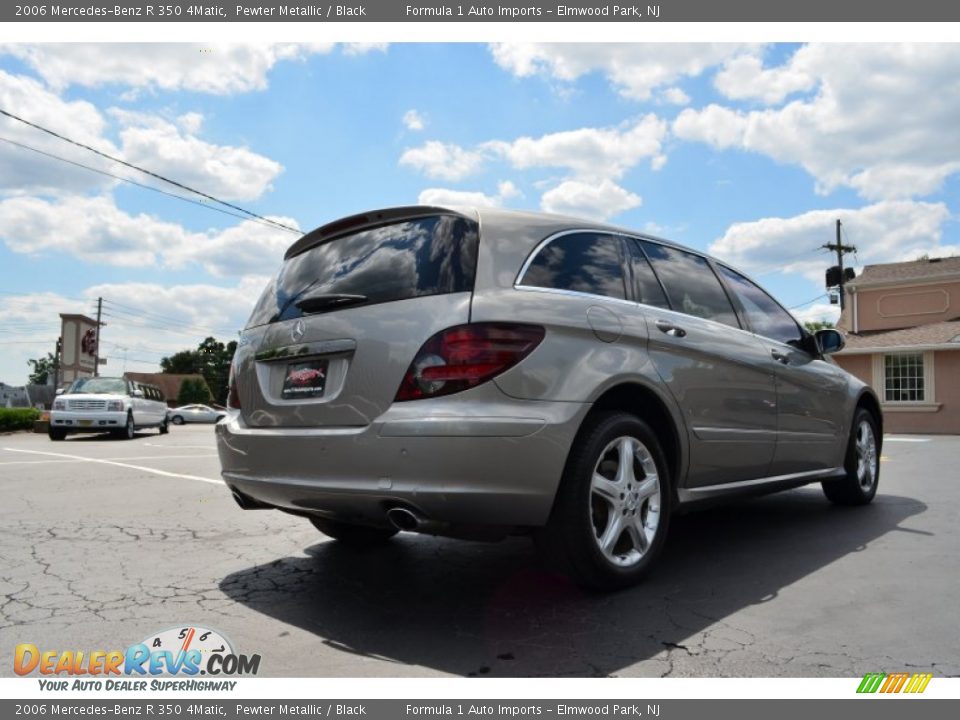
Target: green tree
{"points": [[814, 325], [193, 391], [185, 362], [42, 368], [211, 359]]}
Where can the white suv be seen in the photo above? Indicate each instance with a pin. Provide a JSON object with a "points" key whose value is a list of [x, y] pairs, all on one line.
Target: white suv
{"points": [[117, 405]]}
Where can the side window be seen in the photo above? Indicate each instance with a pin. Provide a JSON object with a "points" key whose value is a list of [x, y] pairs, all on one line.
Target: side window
{"points": [[582, 262], [647, 287], [764, 314], [691, 284]]}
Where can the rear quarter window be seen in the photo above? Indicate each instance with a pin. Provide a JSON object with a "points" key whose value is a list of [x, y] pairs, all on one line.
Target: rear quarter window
{"points": [[579, 262]]}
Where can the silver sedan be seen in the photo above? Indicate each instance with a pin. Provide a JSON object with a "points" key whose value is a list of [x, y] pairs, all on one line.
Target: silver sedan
{"points": [[195, 414]]}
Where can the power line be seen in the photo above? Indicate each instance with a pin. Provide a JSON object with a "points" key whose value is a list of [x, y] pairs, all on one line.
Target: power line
{"points": [[147, 172], [134, 182], [131, 310], [821, 295], [123, 315]]}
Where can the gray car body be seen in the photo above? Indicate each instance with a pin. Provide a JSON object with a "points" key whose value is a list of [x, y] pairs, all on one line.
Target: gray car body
{"points": [[731, 419]]}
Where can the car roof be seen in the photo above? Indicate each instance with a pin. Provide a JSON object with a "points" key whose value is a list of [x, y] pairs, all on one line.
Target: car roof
{"points": [[489, 219]]}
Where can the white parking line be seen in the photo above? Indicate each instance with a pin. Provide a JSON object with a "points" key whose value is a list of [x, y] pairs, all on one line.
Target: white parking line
{"points": [[124, 457], [117, 464], [189, 447], [905, 439]]}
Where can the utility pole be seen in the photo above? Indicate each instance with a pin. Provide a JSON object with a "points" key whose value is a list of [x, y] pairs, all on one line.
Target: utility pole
{"points": [[96, 345], [841, 250], [56, 364]]}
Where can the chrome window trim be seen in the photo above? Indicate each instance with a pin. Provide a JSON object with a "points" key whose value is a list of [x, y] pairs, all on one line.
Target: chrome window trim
{"points": [[518, 281]]}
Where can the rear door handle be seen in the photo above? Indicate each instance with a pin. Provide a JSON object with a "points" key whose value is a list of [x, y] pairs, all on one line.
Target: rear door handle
{"points": [[670, 329], [780, 357]]}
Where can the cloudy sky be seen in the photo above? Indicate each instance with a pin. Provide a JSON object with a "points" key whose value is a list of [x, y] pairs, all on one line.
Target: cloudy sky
{"points": [[748, 151]]}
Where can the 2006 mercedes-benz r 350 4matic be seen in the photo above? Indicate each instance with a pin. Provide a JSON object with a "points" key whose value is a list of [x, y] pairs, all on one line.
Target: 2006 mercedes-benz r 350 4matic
{"points": [[482, 373]]}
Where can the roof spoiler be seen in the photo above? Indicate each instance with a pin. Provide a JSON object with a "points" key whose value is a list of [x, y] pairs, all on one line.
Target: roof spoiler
{"points": [[354, 223]]}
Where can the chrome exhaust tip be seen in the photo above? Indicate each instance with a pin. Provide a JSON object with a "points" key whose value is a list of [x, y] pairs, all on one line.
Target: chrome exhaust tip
{"points": [[403, 519]]}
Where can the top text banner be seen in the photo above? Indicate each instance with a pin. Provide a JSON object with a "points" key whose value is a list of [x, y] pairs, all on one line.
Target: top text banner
{"points": [[528, 10]]}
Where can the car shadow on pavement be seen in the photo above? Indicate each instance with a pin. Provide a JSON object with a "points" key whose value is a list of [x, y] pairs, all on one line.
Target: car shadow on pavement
{"points": [[493, 609]]}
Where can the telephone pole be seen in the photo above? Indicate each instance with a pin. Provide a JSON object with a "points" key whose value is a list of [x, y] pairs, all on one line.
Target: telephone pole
{"points": [[841, 250], [96, 344]]}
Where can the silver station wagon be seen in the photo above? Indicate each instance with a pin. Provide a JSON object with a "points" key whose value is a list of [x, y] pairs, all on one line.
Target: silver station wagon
{"points": [[481, 373]]}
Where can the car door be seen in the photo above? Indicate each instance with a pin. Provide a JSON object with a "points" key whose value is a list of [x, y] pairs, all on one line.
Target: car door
{"points": [[719, 374], [141, 409], [811, 392]]}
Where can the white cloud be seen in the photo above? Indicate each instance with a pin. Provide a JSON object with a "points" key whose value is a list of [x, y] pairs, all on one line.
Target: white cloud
{"points": [[95, 230], [442, 160], [676, 96], [817, 312], [744, 77], [228, 172], [589, 199], [888, 231], [881, 121], [444, 196], [589, 152], [249, 247], [635, 69], [219, 68], [25, 171], [169, 148], [362, 48], [413, 120]]}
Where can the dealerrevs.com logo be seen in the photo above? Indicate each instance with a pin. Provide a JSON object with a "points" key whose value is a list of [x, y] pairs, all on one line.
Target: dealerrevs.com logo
{"points": [[187, 651], [894, 683]]}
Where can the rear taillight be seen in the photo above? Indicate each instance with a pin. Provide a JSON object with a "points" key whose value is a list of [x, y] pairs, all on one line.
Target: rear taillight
{"points": [[233, 394], [465, 356]]}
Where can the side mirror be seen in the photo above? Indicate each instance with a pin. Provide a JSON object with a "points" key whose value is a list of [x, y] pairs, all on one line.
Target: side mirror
{"points": [[829, 341], [60, 391]]}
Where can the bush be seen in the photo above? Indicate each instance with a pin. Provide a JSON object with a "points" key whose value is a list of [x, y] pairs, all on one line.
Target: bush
{"points": [[18, 418]]}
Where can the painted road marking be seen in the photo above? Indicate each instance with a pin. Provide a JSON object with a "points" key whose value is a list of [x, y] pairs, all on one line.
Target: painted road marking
{"points": [[905, 439], [118, 464], [122, 457]]}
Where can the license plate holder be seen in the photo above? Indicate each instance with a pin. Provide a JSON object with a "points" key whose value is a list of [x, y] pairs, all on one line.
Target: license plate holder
{"points": [[305, 379]]}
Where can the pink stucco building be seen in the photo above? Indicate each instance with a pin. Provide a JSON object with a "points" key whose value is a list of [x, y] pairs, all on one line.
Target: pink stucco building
{"points": [[902, 325]]}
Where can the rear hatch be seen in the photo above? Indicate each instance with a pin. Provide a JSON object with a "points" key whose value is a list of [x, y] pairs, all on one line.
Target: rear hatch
{"points": [[334, 332]]}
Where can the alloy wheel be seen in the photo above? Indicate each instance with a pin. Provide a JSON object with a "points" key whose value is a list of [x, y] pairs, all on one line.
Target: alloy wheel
{"points": [[866, 445], [625, 501]]}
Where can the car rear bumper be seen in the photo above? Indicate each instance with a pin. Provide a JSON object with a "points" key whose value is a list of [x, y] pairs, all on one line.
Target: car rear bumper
{"points": [[498, 465], [87, 420]]}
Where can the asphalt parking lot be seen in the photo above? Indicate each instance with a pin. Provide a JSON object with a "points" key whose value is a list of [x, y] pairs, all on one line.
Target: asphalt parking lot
{"points": [[104, 542]]}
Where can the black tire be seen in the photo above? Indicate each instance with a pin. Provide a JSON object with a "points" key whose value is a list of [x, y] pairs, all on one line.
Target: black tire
{"points": [[571, 539], [164, 426], [353, 535], [56, 434], [862, 464], [176, 420], [129, 430]]}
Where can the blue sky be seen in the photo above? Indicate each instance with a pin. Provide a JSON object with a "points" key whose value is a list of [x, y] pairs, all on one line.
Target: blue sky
{"points": [[748, 151]]}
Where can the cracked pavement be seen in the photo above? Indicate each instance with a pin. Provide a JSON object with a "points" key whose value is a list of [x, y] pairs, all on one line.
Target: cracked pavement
{"points": [[99, 556]]}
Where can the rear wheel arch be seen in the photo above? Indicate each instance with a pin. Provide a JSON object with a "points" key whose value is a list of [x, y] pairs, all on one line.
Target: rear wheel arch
{"points": [[647, 404], [869, 402]]}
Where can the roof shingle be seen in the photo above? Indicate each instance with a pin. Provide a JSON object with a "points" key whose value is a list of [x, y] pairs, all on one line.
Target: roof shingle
{"points": [[941, 333], [904, 271]]}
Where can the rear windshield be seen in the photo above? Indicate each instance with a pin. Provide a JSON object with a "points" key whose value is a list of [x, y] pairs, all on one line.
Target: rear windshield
{"points": [[427, 256]]}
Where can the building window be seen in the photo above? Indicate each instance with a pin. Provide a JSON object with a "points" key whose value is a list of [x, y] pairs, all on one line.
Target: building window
{"points": [[904, 378]]}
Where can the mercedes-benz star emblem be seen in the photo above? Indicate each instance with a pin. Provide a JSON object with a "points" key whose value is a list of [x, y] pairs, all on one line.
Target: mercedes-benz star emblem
{"points": [[298, 330]]}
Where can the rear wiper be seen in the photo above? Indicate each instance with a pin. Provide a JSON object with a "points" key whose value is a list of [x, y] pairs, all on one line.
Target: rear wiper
{"points": [[321, 302]]}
